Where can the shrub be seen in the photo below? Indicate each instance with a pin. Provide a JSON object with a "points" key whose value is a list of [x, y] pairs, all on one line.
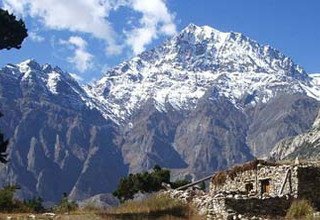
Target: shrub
{"points": [[66, 206], [300, 209], [179, 183], [34, 204], [203, 186], [7, 203]]}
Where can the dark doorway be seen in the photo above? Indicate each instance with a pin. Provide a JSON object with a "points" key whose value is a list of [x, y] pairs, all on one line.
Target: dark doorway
{"points": [[265, 186], [249, 187]]}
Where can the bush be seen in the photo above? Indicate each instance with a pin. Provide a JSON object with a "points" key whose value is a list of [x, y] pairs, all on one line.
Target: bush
{"points": [[66, 206], [34, 205], [300, 209], [7, 203], [179, 183]]}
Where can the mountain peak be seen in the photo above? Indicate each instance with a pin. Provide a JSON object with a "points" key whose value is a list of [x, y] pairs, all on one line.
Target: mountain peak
{"points": [[30, 63], [191, 28], [181, 70], [205, 28], [199, 33]]}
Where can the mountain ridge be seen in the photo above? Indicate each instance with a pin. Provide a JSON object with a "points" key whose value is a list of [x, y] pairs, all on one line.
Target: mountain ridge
{"points": [[189, 68], [197, 103]]}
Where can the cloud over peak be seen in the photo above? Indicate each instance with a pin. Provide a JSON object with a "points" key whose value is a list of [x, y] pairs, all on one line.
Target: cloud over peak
{"points": [[156, 20], [92, 17], [81, 58]]}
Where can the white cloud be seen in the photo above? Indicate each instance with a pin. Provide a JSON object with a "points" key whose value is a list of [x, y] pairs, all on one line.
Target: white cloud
{"points": [[156, 19], [16, 6], [81, 58], [35, 37], [86, 16], [76, 77], [92, 17]]}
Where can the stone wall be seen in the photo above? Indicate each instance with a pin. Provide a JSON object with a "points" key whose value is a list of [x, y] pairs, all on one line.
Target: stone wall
{"points": [[237, 183], [205, 204], [232, 207], [277, 206], [276, 176]]}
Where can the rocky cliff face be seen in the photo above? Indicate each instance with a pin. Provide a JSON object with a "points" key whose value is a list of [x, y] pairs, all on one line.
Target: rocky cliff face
{"points": [[202, 101], [286, 115], [304, 146], [57, 142]]}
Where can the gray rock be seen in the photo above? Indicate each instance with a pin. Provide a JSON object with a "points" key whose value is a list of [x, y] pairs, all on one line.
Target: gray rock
{"points": [[99, 201]]}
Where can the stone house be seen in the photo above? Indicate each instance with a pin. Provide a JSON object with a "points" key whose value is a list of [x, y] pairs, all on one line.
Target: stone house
{"points": [[265, 187], [256, 188]]}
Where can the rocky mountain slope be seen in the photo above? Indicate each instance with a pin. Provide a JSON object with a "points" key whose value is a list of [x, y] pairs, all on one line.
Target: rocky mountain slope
{"points": [[201, 101], [304, 146], [57, 142]]}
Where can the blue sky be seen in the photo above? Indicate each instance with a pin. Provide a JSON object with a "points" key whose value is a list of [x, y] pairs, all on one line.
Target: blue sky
{"points": [[85, 37]]}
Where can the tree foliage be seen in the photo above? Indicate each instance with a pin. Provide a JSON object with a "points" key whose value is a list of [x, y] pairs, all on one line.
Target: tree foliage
{"points": [[10, 204], [145, 183], [12, 31], [12, 34], [3, 147], [142, 182]]}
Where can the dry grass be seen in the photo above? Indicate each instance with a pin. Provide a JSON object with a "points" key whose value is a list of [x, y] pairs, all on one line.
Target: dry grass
{"points": [[300, 209], [219, 179], [28, 216], [157, 205]]}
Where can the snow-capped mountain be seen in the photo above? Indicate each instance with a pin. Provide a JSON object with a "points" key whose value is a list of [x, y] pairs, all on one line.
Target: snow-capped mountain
{"points": [[202, 101], [182, 69], [47, 82]]}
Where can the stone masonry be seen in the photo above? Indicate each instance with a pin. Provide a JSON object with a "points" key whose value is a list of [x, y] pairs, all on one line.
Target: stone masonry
{"points": [[255, 190]]}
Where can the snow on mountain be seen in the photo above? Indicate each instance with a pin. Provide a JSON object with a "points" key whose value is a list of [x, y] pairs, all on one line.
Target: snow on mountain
{"points": [[48, 80], [182, 69], [314, 89], [230, 85], [179, 72], [54, 128]]}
